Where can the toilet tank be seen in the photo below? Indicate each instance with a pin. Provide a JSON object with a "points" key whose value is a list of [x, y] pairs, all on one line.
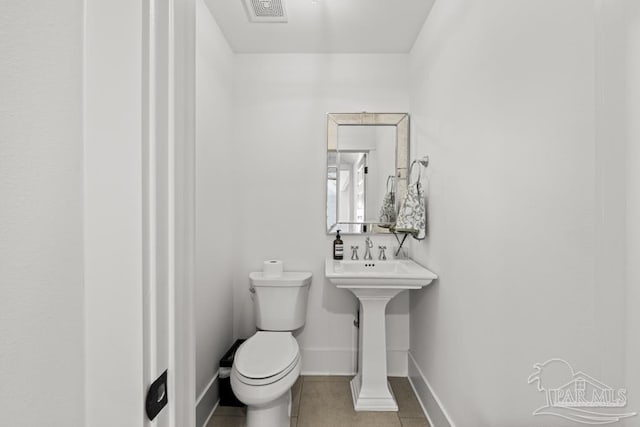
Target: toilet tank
{"points": [[280, 303]]}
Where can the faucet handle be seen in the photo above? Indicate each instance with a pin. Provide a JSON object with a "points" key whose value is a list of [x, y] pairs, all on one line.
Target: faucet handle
{"points": [[354, 253], [382, 256]]}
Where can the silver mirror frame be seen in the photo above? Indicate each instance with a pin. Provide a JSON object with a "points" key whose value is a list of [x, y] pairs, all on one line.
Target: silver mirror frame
{"points": [[401, 122]]}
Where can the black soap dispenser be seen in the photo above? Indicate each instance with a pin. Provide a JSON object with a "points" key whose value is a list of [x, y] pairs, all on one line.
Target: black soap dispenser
{"points": [[338, 247]]}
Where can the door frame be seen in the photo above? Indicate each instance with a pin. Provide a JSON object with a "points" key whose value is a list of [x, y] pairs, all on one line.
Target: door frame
{"points": [[123, 180], [182, 112]]}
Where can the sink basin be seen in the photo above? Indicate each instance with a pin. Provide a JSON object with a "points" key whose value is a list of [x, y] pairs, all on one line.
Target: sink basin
{"points": [[375, 283], [399, 274]]}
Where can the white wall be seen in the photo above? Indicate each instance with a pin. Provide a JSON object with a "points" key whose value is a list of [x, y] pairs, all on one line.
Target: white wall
{"points": [[504, 101], [280, 172], [113, 214], [215, 228], [610, 153], [630, 12], [41, 293]]}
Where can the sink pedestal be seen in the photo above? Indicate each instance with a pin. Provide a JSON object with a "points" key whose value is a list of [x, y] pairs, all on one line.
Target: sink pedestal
{"points": [[375, 283], [369, 388]]}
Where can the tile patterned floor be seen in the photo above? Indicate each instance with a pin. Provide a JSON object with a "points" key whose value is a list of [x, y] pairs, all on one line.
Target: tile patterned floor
{"points": [[320, 401]]}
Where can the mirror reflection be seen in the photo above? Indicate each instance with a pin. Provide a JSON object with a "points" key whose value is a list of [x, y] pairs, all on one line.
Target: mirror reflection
{"points": [[362, 170]]}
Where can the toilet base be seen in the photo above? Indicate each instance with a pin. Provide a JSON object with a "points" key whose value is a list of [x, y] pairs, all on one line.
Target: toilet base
{"points": [[274, 414]]}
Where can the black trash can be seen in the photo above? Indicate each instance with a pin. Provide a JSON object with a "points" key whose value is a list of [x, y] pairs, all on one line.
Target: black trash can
{"points": [[227, 398]]}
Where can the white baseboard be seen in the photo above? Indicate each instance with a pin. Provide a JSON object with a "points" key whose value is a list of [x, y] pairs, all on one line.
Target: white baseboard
{"points": [[431, 404], [207, 402], [206, 421], [342, 361], [327, 361]]}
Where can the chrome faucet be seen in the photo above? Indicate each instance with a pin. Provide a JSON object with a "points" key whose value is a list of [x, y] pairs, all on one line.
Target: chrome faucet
{"points": [[381, 255], [354, 253], [367, 253]]}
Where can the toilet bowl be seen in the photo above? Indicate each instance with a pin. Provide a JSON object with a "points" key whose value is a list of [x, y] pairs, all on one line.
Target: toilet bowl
{"points": [[265, 368], [267, 365]]}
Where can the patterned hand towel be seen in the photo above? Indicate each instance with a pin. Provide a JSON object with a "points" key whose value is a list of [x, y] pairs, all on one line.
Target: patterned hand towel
{"points": [[388, 208], [412, 215]]}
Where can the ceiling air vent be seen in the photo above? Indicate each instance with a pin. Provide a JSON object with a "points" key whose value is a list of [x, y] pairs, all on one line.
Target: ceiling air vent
{"points": [[266, 10]]}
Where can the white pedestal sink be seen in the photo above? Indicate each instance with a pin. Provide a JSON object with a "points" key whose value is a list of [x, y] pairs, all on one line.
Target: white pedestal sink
{"points": [[375, 283]]}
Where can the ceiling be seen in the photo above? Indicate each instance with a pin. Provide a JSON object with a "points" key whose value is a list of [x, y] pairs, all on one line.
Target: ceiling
{"points": [[325, 26]]}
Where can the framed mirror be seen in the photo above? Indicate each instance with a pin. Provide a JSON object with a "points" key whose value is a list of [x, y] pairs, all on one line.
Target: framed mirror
{"points": [[367, 166]]}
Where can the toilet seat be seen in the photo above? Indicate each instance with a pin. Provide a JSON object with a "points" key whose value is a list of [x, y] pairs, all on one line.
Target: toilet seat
{"points": [[268, 380], [266, 357]]}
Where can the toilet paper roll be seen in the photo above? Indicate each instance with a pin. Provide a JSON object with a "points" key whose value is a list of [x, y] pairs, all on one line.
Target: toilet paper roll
{"points": [[272, 268]]}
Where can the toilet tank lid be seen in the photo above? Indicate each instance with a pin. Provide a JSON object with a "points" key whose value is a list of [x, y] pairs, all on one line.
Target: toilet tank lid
{"points": [[288, 278]]}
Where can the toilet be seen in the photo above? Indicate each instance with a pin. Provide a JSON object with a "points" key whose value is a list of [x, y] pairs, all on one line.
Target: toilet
{"points": [[267, 365]]}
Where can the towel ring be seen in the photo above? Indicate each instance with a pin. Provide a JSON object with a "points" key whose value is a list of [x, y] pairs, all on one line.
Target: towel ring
{"points": [[422, 162]]}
